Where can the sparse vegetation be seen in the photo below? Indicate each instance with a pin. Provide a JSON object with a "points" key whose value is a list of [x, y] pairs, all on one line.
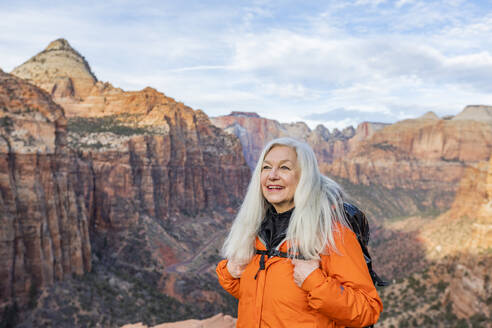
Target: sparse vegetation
{"points": [[113, 123], [385, 146], [6, 123], [420, 301]]}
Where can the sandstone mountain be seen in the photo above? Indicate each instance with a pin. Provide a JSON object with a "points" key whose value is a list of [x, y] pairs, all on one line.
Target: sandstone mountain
{"points": [[156, 185], [60, 70]]}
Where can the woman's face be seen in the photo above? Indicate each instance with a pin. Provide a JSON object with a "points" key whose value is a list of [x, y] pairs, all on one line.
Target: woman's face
{"points": [[279, 177]]}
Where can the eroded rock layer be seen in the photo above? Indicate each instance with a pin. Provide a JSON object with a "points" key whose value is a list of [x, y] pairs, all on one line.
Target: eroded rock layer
{"points": [[44, 224]]}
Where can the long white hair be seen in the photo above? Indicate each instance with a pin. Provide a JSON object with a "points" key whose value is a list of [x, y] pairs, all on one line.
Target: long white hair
{"points": [[318, 211]]}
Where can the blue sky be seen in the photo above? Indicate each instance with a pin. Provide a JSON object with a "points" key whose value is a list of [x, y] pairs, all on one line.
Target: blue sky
{"points": [[335, 63]]}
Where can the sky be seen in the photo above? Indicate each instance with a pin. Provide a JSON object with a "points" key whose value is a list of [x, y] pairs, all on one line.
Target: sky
{"points": [[336, 63]]}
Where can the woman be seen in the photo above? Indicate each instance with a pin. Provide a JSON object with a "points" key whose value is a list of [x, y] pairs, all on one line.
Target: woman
{"points": [[291, 259]]}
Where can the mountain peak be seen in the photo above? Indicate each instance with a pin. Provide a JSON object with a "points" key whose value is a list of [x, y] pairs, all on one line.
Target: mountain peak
{"points": [[244, 114], [59, 44], [430, 115], [481, 113], [60, 70]]}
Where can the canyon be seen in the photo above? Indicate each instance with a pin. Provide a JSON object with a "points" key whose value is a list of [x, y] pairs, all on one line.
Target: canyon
{"points": [[112, 184], [115, 203]]}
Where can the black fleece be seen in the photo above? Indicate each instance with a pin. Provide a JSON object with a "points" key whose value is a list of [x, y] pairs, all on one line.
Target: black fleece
{"points": [[274, 227]]}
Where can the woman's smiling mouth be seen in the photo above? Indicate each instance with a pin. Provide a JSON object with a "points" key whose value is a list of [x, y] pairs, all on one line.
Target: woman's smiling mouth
{"points": [[275, 187]]}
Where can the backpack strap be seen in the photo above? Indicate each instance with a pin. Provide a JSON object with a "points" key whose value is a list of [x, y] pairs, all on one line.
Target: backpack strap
{"points": [[270, 253]]}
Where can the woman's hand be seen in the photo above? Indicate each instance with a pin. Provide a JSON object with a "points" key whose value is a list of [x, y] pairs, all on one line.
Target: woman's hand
{"points": [[302, 269], [235, 269]]}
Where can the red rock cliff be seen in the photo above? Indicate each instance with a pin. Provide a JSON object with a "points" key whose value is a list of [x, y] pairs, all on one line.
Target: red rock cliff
{"points": [[44, 228]]}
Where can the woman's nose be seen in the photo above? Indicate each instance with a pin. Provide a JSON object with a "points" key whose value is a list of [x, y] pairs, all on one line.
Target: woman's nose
{"points": [[273, 174]]}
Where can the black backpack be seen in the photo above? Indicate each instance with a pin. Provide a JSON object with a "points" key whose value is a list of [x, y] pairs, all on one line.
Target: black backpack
{"points": [[360, 226]]}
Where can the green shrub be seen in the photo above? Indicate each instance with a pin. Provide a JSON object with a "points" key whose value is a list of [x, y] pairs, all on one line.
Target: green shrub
{"points": [[441, 286]]}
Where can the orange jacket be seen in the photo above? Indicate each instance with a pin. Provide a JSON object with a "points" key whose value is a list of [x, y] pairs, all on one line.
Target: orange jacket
{"points": [[340, 293]]}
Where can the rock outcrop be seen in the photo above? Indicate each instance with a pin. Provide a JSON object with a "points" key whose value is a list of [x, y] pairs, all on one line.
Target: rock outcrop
{"points": [[44, 224], [217, 321]]}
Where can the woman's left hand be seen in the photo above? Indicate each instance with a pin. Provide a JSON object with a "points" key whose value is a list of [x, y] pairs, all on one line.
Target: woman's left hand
{"points": [[302, 269]]}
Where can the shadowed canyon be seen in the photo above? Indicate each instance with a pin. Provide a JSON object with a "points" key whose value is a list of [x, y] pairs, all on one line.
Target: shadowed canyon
{"points": [[114, 204]]}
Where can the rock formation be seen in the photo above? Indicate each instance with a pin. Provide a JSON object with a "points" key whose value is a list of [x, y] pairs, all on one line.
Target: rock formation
{"points": [[146, 187], [59, 70], [217, 321], [44, 225]]}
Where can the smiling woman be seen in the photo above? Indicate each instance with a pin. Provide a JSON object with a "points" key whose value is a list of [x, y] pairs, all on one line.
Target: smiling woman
{"points": [[291, 259], [279, 177]]}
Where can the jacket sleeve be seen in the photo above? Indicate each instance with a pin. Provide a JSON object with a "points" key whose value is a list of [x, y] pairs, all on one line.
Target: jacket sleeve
{"points": [[228, 282], [342, 288]]}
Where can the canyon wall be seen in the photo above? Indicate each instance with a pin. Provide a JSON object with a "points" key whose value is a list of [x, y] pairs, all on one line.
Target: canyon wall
{"points": [[421, 161], [44, 228]]}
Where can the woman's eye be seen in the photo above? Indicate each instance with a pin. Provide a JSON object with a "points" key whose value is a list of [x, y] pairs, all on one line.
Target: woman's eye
{"points": [[266, 167], [283, 167]]}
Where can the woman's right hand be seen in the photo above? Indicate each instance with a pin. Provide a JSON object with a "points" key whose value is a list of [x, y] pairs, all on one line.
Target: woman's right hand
{"points": [[235, 269]]}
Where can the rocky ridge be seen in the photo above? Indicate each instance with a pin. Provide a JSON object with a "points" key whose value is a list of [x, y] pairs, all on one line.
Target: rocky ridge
{"points": [[254, 132], [467, 226]]}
